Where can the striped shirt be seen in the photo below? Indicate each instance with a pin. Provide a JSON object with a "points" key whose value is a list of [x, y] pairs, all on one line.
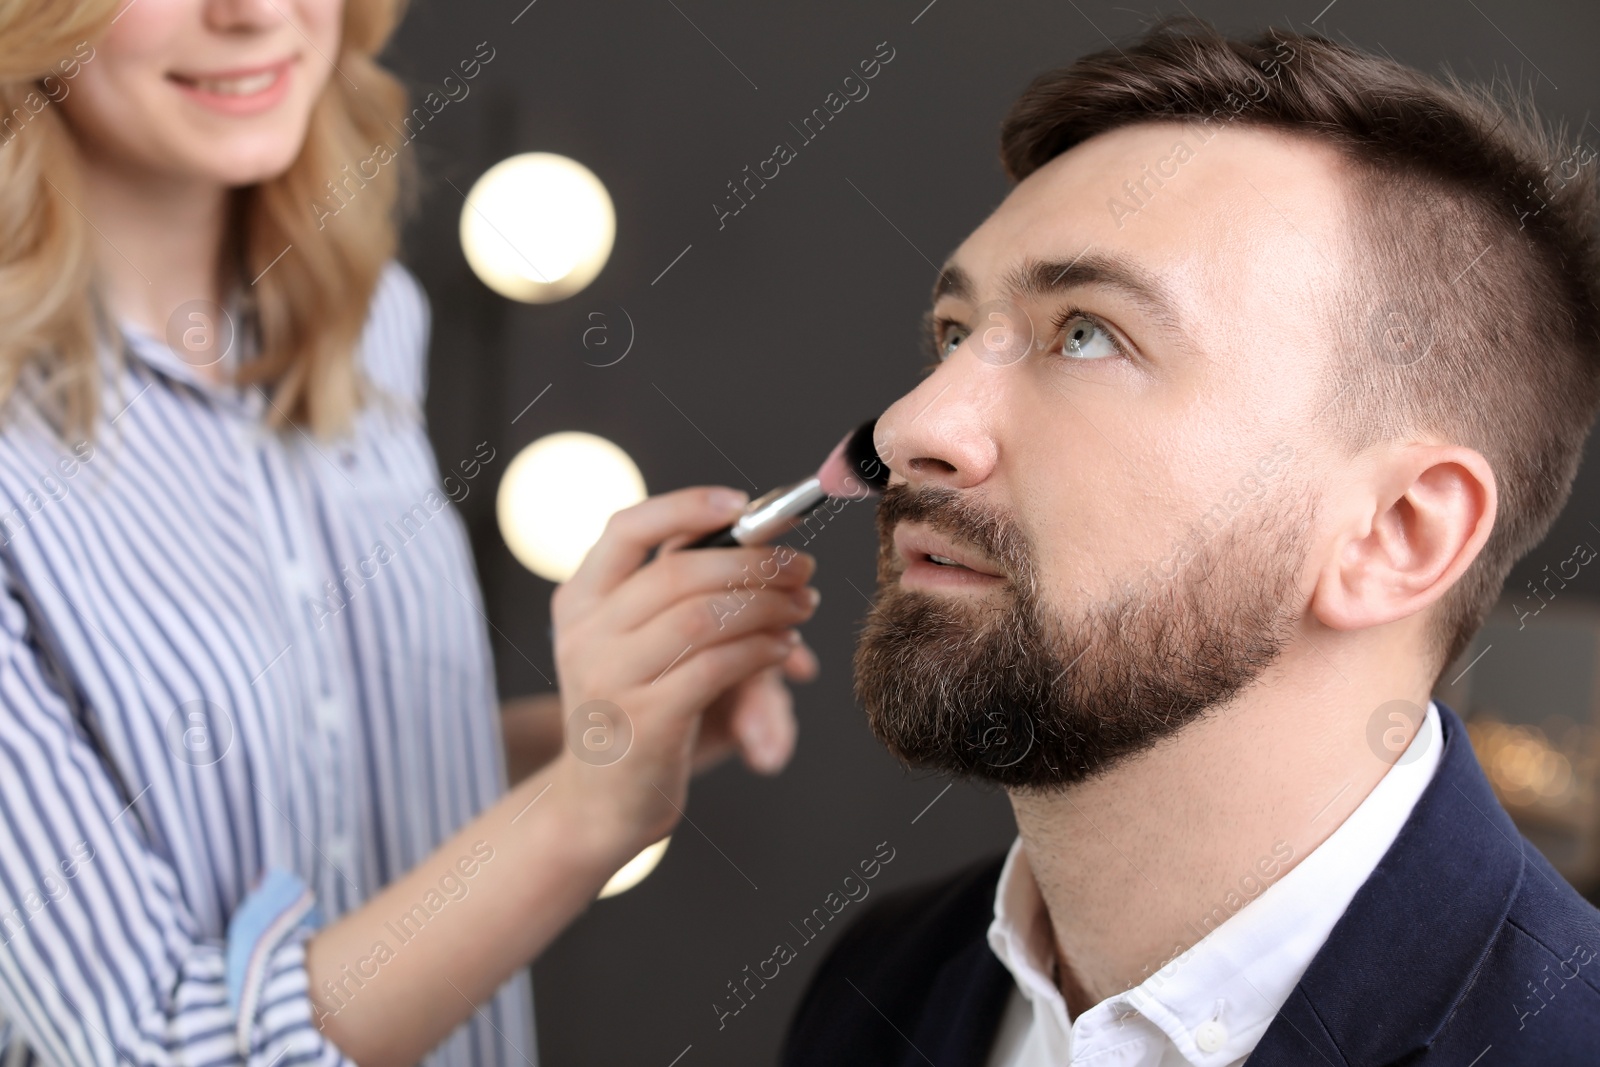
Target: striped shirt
{"points": [[245, 681]]}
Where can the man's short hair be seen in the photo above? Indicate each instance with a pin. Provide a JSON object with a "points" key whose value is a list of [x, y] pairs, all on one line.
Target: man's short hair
{"points": [[1475, 313]]}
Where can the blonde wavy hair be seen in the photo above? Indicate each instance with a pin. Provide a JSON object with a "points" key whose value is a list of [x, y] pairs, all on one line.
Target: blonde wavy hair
{"points": [[309, 309]]}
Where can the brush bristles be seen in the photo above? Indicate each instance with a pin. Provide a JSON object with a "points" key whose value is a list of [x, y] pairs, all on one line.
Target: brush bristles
{"points": [[862, 457], [854, 466]]}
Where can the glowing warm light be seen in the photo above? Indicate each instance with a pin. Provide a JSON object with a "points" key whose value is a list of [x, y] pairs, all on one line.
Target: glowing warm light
{"points": [[635, 870], [537, 227], [556, 496], [1524, 766]]}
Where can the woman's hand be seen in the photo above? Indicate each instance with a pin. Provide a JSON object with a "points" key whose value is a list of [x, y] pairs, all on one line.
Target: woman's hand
{"points": [[663, 642], [755, 718]]}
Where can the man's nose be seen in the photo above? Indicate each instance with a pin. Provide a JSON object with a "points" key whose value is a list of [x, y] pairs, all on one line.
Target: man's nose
{"points": [[942, 432]]}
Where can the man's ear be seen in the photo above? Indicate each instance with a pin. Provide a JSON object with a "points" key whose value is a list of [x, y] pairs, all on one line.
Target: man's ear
{"points": [[1430, 512]]}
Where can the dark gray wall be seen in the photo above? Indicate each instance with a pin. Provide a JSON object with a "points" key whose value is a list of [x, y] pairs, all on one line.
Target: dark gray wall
{"points": [[765, 342]]}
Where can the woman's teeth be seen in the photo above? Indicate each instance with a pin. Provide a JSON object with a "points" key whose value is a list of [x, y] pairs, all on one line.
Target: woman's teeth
{"points": [[243, 86]]}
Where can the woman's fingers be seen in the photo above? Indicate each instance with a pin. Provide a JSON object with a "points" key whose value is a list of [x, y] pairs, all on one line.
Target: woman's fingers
{"points": [[596, 660], [720, 667], [730, 575], [802, 664], [699, 622], [714, 740], [633, 532], [755, 718], [764, 723]]}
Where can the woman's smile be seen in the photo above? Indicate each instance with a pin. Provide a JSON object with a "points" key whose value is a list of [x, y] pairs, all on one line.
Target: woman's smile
{"points": [[243, 91]]}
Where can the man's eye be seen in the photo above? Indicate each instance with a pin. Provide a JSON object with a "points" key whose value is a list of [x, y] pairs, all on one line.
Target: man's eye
{"points": [[951, 340], [1084, 338]]}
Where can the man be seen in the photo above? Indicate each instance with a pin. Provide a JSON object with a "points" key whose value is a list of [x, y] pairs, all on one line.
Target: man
{"points": [[1246, 400]]}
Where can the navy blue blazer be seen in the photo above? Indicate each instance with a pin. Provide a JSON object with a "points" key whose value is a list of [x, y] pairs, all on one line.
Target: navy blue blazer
{"points": [[1463, 949]]}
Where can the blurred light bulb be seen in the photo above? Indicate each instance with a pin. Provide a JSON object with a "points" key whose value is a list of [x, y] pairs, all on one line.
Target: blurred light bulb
{"points": [[635, 870], [537, 227], [555, 498]]}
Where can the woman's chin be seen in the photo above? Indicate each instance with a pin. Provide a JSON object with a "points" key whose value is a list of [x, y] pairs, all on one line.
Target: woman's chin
{"points": [[233, 162]]}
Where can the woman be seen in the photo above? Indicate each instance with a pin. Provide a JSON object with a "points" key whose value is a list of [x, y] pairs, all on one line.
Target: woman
{"points": [[253, 807]]}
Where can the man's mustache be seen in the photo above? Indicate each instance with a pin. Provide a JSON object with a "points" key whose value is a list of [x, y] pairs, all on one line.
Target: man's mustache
{"points": [[960, 518]]}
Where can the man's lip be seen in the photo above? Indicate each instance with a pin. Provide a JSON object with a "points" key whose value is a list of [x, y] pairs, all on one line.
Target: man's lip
{"points": [[916, 543]]}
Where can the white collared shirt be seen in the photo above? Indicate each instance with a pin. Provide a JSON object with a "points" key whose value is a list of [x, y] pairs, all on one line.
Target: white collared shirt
{"points": [[1209, 1006]]}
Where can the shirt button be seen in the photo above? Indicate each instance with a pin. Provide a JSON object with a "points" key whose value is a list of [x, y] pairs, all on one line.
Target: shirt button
{"points": [[1210, 1036], [300, 579], [327, 712], [339, 852]]}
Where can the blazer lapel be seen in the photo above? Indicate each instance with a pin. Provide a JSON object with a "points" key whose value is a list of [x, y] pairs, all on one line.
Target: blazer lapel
{"points": [[962, 1014], [1400, 959]]}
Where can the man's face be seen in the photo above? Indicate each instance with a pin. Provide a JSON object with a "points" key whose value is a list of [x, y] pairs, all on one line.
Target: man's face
{"points": [[1121, 441]]}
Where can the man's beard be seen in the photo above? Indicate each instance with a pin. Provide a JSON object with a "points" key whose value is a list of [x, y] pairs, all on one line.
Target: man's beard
{"points": [[1015, 692]]}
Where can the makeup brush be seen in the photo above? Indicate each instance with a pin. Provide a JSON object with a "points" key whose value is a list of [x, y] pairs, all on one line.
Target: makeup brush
{"points": [[852, 470]]}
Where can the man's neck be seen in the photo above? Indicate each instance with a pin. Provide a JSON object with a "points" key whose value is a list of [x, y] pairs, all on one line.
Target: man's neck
{"points": [[1134, 865]]}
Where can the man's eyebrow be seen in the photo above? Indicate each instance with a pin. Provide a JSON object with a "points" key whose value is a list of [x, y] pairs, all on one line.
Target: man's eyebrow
{"points": [[1036, 278], [952, 281]]}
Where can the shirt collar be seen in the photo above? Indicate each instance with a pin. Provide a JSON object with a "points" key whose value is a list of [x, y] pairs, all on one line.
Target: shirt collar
{"points": [[1020, 936], [161, 355], [1215, 1001]]}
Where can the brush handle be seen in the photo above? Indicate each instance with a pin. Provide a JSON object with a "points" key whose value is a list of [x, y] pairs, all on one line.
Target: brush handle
{"points": [[722, 538], [768, 517]]}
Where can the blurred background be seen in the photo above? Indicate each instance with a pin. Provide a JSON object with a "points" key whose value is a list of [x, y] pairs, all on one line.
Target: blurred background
{"points": [[735, 337]]}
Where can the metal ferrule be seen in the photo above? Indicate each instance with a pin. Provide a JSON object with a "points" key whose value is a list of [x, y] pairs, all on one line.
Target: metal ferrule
{"points": [[769, 516]]}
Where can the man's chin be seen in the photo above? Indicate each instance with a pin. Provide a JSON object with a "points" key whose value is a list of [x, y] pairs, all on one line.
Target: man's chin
{"points": [[1001, 692], [947, 686]]}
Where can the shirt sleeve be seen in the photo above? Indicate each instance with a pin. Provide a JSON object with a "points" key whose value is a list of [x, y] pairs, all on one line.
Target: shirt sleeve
{"points": [[101, 961]]}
